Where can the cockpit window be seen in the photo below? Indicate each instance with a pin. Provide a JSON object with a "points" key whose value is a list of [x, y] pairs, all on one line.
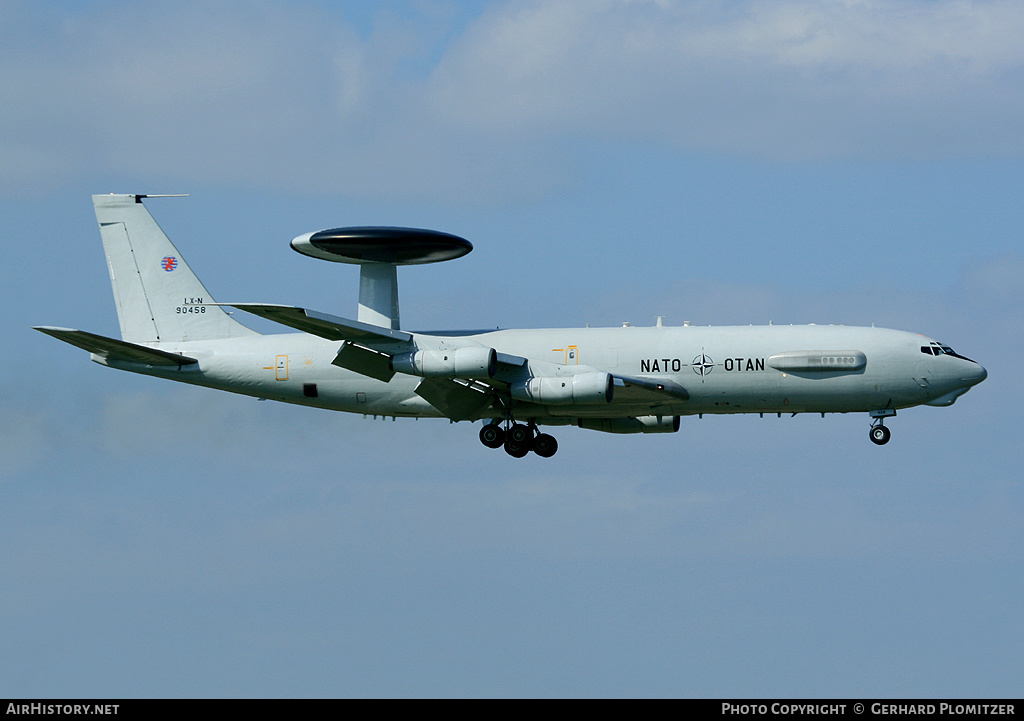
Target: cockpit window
{"points": [[938, 349], [950, 351]]}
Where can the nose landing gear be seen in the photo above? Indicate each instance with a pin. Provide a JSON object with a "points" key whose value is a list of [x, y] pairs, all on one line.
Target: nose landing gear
{"points": [[879, 434]]}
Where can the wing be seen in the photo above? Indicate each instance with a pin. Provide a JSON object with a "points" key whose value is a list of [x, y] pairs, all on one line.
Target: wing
{"points": [[366, 350], [326, 326], [116, 350], [359, 352]]}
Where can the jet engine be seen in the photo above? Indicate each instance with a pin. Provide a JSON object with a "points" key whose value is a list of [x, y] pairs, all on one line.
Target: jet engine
{"points": [[641, 424], [560, 390], [467, 362]]}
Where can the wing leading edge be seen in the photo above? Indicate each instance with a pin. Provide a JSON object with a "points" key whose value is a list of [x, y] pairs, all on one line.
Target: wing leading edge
{"points": [[331, 327]]}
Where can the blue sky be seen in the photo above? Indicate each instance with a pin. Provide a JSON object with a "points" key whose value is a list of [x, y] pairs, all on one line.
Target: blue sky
{"points": [[724, 163]]}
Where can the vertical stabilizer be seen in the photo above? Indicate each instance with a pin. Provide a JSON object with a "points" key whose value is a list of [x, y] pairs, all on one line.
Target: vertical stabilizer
{"points": [[158, 297]]}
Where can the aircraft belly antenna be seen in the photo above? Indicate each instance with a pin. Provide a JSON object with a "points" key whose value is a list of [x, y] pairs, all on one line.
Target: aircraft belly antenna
{"points": [[379, 251]]}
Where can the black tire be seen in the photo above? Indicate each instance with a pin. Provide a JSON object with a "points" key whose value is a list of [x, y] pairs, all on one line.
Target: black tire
{"points": [[516, 450], [521, 435], [880, 435], [544, 445], [492, 435]]}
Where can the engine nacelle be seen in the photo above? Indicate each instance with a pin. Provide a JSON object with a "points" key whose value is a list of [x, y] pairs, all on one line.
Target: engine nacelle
{"points": [[641, 424], [561, 390], [467, 362]]}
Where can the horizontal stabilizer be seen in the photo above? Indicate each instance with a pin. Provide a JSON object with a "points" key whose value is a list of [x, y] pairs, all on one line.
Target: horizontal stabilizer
{"points": [[116, 350], [320, 324]]}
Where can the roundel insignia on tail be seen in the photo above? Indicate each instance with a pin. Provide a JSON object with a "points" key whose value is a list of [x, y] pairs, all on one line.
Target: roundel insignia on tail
{"points": [[169, 263]]}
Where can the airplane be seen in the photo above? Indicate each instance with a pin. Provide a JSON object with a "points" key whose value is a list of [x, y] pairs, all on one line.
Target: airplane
{"points": [[627, 379]]}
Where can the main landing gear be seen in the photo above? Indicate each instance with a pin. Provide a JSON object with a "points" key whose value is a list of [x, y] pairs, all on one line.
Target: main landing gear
{"points": [[879, 434], [518, 439]]}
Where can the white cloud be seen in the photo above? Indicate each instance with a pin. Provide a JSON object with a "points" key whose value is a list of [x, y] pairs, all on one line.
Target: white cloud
{"points": [[796, 79], [273, 94]]}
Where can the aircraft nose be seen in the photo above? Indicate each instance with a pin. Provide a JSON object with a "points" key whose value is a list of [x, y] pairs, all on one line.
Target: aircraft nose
{"points": [[975, 375]]}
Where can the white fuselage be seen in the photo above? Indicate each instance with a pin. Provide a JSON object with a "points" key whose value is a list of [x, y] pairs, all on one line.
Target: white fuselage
{"points": [[723, 369], [615, 380]]}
